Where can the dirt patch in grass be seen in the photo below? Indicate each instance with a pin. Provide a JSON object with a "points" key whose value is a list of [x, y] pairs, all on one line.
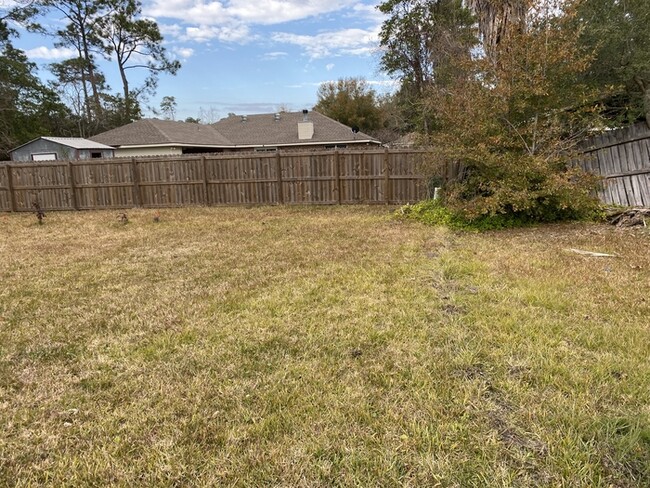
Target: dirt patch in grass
{"points": [[320, 347]]}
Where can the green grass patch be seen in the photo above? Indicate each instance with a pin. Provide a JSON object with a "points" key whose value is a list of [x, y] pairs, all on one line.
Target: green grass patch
{"points": [[434, 212]]}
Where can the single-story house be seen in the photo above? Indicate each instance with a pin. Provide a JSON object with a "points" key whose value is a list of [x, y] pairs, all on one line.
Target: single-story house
{"points": [[155, 137], [60, 148], [290, 130], [259, 132]]}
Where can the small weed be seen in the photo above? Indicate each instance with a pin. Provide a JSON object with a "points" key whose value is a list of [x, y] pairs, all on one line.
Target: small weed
{"points": [[38, 211]]}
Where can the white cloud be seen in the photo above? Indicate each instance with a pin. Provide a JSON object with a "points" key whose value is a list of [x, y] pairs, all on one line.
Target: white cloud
{"points": [[8, 4], [173, 30], [261, 12], [358, 42], [368, 12], [386, 84], [50, 53], [184, 52], [306, 85], [199, 34], [329, 67], [274, 55], [204, 33], [234, 21]]}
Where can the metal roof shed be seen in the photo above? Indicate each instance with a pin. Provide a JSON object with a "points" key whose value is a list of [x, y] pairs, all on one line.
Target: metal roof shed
{"points": [[61, 148]]}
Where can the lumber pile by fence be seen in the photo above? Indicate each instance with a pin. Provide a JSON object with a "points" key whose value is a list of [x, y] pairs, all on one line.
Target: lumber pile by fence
{"points": [[628, 217], [325, 177]]}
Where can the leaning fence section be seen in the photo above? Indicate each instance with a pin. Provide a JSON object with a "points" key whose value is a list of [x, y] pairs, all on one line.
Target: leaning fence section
{"points": [[622, 158], [308, 178]]}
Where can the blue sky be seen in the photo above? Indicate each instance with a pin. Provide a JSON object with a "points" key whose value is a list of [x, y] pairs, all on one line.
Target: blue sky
{"points": [[247, 56]]}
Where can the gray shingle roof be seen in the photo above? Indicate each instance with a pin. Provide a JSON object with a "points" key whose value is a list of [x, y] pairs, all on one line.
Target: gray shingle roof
{"points": [[267, 130], [155, 132], [256, 130]]}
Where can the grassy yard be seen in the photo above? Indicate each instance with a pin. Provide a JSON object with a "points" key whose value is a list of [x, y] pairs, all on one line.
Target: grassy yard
{"points": [[320, 347]]}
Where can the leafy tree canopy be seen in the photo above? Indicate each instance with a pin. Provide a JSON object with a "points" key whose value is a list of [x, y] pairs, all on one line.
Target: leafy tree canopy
{"points": [[28, 108], [168, 107], [418, 38], [618, 32], [112, 29], [350, 101], [136, 43]]}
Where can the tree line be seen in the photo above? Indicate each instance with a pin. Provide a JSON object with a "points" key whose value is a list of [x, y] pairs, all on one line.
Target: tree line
{"points": [[420, 39], [78, 101], [508, 88]]}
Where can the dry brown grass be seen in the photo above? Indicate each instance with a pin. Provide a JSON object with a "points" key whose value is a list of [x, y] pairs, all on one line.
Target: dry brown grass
{"points": [[320, 347]]}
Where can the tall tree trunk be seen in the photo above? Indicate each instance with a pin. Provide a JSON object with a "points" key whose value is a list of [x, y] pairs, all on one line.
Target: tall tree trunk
{"points": [[495, 19], [91, 75], [82, 24], [127, 94], [84, 87]]}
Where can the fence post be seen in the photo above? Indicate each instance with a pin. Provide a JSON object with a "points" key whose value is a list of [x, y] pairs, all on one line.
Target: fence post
{"points": [[337, 174], [10, 187], [278, 173], [135, 177], [387, 186], [73, 187], [362, 197], [206, 191]]}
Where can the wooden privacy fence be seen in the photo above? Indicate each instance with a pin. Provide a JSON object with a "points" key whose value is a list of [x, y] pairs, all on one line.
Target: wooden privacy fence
{"points": [[622, 158], [325, 177]]}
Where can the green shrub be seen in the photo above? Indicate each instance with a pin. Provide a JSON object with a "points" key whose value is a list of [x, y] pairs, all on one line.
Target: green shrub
{"points": [[434, 212], [513, 120]]}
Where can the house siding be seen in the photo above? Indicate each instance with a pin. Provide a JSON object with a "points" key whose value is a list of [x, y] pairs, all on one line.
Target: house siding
{"points": [[135, 152], [309, 147]]}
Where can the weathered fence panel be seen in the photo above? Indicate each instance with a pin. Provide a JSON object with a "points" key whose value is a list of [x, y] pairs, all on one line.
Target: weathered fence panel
{"points": [[169, 183], [378, 176], [44, 182], [406, 185], [307, 177], [622, 158], [102, 184], [248, 179]]}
